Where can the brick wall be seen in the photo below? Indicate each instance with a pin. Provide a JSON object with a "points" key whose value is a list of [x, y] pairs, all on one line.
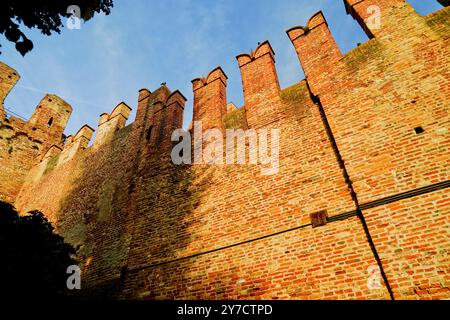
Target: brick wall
{"points": [[210, 99], [149, 229], [261, 86], [412, 238], [380, 92], [23, 143]]}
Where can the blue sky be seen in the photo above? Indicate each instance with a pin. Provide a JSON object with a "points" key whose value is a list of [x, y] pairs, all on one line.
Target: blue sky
{"points": [[143, 43]]}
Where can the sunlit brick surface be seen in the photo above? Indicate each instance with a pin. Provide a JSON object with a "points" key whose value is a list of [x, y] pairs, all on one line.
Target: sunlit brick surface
{"points": [[148, 229]]}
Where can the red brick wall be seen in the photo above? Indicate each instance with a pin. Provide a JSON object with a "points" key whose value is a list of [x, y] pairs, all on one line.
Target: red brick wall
{"points": [[260, 85], [167, 117], [84, 199], [229, 204], [171, 211], [378, 93], [412, 238], [18, 153], [23, 143], [50, 119], [210, 99], [325, 263], [151, 229]]}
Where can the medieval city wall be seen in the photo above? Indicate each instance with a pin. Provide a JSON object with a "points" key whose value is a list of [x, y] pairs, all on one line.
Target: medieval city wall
{"points": [[364, 147]]}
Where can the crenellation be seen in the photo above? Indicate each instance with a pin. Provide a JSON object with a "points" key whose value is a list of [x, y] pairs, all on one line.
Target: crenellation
{"points": [[210, 99], [82, 137], [109, 124], [167, 117], [144, 93], [148, 103], [122, 109], [84, 133], [261, 86], [382, 17], [364, 138], [317, 51], [76, 143], [144, 98], [103, 118], [177, 98], [52, 152]]}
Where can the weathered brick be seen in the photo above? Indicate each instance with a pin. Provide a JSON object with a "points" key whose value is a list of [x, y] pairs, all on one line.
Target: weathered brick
{"points": [[228, 232]]}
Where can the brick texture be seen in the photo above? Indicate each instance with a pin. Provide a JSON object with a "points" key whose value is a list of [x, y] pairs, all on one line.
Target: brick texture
{"points": [[350, 145]]}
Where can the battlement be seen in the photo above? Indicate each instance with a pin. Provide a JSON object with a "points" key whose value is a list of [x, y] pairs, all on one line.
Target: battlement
{"points": [[146, 110], [380, 17], [110, 123], [262, 49], [144, 97], [260, 85], [210, 99], [387, 24], [76, 143], [363, 158], [167, 117], [215, 74], [316, 49], [72, 145]]}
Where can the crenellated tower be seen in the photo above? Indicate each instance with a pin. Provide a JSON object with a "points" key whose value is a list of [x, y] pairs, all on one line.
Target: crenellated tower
{"points": [[50, 118], [167, 117], [317, 50], [262, 93], [23, 143], [210, 99], [111, 123], [144, 124], [362, 185]]}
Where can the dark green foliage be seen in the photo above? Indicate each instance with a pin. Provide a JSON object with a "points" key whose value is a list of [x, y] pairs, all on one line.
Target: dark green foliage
{"points": [[34, 259], [46, 15]]}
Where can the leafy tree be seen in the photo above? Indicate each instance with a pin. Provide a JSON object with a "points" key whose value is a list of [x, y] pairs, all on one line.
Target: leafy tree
{"points": [[46, 15], [34, 260]]}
